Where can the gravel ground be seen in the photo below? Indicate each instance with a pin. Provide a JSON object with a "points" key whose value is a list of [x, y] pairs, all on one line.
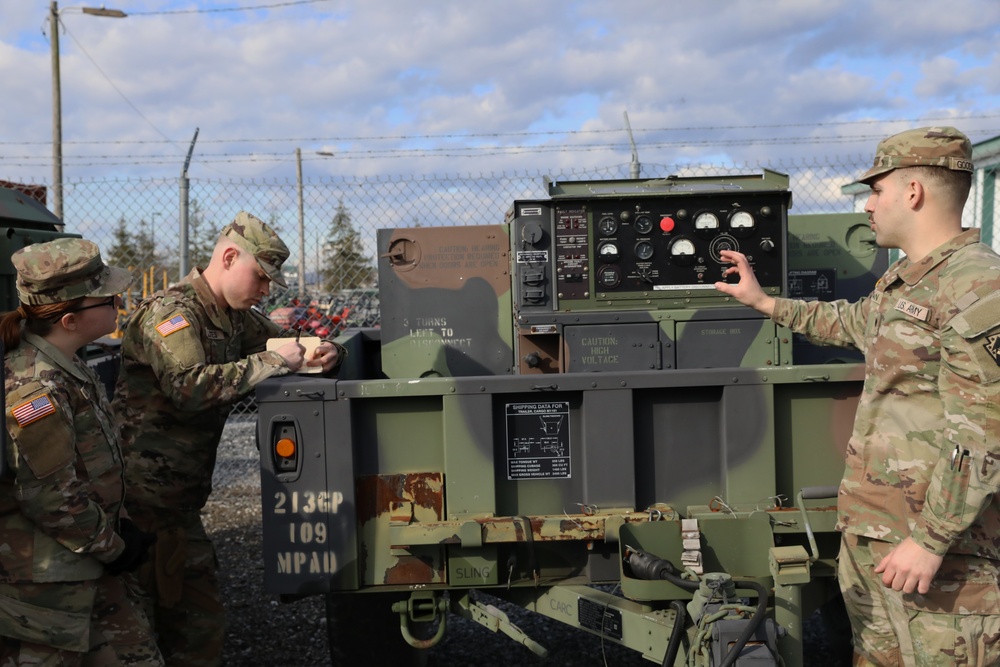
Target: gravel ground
{"points": [[264, 631]]}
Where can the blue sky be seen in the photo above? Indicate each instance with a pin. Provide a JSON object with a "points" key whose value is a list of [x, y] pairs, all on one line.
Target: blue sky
{"points": [[512, 85]]}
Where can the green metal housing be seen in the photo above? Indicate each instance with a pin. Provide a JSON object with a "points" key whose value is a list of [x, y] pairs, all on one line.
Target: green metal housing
{"points": [[512, 428]]}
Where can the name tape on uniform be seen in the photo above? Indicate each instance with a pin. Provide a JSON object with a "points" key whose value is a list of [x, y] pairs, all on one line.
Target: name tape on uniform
{"points": [[912, 309]]}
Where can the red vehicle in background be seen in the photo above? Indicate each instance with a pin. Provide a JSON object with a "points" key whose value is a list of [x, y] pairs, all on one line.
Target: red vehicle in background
{"points": [[310, 320]]}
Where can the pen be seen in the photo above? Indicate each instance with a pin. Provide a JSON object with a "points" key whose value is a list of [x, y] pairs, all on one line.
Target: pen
{"points": [[958, 455], [298, 333]]}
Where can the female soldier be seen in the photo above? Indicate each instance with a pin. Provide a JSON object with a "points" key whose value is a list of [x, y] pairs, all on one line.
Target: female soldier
{"points": [[63, 539]]}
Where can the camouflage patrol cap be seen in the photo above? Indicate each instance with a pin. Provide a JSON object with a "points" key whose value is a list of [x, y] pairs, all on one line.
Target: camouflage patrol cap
{"points": [[256, 237], [925, 146], [65, 269]]}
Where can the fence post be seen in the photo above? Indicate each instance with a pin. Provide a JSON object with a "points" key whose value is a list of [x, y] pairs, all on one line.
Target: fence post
{"points": [[185, 194]]}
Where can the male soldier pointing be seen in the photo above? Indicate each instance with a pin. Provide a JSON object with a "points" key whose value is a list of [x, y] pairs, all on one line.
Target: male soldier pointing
{"points": [[918, 505], [189, 353]]}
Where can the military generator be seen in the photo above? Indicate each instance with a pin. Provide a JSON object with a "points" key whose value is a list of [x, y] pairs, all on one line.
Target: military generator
{"points": [[560, 411]]}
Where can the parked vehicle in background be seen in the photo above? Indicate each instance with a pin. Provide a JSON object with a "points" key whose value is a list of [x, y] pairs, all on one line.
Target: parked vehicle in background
{"points": [[355, 307], [331, 316]]}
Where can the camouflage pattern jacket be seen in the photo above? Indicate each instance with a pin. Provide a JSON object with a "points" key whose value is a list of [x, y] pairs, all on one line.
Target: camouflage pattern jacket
{"points": [[62, 493], [185, 362], [924, 458]]}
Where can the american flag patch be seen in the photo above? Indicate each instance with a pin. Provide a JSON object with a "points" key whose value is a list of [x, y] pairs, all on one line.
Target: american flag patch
{"points": [[33, 410], [175, 323]]}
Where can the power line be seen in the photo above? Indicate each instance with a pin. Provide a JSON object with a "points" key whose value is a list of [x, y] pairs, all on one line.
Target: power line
{"points": [[474, 151], [116, 88], [227, 9], [540, 133]]}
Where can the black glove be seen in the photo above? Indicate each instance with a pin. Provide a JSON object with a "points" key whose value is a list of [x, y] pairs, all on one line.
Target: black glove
{"points": [[136, 552]]}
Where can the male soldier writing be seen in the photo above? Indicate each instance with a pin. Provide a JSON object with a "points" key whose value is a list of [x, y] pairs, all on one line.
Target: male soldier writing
{"points": [[188, 354], [918, 508]]}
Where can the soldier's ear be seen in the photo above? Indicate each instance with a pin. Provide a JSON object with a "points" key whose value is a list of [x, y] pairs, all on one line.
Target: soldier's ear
{"points": [[914, 193], [229, 257], [68, 321]]}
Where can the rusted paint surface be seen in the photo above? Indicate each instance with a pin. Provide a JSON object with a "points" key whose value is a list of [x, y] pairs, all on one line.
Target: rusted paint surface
{"points": [[393, 494], [561, 528], [414, 570], [404, 499]]}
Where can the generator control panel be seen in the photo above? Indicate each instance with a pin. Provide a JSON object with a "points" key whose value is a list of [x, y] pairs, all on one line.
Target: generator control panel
{"points": [[615, 276], [594, 246]]}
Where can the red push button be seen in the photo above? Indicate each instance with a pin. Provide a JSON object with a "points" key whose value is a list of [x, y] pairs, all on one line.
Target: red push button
{"points": [[667, 224]]}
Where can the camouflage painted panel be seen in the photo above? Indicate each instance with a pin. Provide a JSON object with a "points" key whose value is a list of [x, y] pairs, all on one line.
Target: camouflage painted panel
{"points": [[445, 296]]}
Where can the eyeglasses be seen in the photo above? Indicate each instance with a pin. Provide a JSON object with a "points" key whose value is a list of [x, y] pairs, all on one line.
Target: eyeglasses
{"points": [[110, 301]]}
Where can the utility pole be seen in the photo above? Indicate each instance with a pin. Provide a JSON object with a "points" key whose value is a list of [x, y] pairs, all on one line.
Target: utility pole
{"points": [[635, 169], [185, 196], [57, 165], [57, 156]]}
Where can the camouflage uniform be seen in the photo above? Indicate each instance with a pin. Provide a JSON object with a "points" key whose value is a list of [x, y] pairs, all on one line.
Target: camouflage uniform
{"points": [[924, 459], [185, 362], [61, 497]]}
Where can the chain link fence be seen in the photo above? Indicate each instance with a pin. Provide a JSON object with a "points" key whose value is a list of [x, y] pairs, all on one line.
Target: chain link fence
{"points": [[330, 224], [332, 239]]}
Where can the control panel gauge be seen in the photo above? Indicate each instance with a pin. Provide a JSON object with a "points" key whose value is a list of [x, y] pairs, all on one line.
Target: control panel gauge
{"points": [[643, 224], [644, 250], [720, 243], [682, 251], [682, 247], [741, 220], [706, 222], [607, 225], [609, 277], [608, 252]]}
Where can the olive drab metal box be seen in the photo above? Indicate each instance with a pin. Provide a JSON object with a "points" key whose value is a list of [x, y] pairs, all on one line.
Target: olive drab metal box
{"points": [[561, 399], [831, 256], [445, 301]]}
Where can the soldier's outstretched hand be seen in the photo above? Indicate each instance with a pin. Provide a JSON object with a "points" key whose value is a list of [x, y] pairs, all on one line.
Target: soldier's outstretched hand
{"points": [[747, 291]]}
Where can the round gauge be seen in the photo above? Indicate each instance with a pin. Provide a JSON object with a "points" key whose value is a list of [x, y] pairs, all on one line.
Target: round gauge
{"points": [[608, 252], [608, 225], [720, 243], [682, 248], [643, 224], [706, 222], [643, 250], [609, 277], [741, 220]]}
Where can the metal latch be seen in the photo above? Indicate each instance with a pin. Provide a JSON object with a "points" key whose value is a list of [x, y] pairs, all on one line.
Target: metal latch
{"points": [[789, 565]]}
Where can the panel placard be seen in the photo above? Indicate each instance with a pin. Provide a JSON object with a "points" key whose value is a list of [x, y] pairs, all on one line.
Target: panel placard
{"points": [[538, 440]]}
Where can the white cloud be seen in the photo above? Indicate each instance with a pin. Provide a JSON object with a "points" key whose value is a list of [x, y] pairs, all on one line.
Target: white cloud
{"points": [[357, 76]]}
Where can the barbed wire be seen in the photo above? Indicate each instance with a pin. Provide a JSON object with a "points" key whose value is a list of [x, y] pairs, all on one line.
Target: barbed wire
{"points": [[545, 133]]}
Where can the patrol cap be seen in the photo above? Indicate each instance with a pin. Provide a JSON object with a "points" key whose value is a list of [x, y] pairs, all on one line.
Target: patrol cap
{"points": [[256, 237], [925, 146], [65, 269]]}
